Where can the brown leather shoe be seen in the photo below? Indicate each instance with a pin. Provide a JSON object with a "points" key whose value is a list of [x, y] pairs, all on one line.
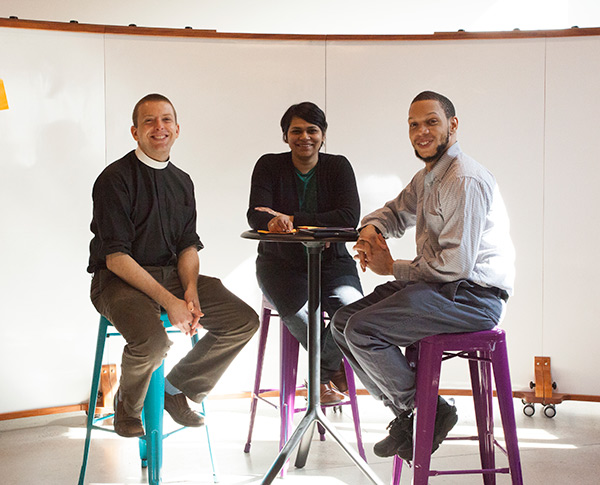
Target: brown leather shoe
{"points": [[126, 426], [177, 406], [303, 391], [338, 380], [330, 396]]}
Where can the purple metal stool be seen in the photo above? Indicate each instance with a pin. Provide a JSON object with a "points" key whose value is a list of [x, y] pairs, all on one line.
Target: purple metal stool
{"points": [[486, 351], [288, 356]]}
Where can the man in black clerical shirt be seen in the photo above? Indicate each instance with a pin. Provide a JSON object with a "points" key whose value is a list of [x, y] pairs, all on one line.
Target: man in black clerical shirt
{"points": [[144, 257]]}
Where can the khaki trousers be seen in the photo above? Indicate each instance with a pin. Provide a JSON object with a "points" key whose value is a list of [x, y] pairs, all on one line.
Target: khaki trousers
{"points": [[230, 324]]}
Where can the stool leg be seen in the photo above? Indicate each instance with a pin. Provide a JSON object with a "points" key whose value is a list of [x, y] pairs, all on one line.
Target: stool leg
{"points": [[93, 394], [289, 348], [320, 427], [412, 355], [354, 406], [507, 410], [153, 421], [428, 379], [262, 345], [481, 383], [195, 339], [396, 470], [210, 453]]}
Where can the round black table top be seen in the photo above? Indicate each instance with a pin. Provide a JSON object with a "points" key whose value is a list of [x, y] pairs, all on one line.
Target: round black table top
{"points": [[302, 237]]}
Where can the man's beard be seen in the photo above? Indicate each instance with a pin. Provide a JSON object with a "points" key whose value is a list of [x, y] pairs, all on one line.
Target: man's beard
{"points": [[441, 148]]}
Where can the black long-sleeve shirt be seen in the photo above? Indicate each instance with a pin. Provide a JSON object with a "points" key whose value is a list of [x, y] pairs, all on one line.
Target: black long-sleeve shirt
{"points": [[274, 186], [147, 213]]}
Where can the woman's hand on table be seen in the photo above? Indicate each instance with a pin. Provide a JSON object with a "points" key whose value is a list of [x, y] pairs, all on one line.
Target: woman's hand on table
{"points": [[281, 223]]}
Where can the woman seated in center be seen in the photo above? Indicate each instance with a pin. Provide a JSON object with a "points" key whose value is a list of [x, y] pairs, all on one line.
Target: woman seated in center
{"points": [[305, 187]]}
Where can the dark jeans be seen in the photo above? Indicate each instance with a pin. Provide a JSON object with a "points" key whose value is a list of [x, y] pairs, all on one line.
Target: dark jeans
{"points": [[287, 289]]}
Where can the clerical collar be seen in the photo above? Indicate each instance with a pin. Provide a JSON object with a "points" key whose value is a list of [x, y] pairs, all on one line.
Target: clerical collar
{"points": [[145, 159]]}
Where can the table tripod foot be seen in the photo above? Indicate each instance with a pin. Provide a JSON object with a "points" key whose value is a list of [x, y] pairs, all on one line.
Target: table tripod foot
{"points": [[358, 460], [304, 447], [305, 425]]}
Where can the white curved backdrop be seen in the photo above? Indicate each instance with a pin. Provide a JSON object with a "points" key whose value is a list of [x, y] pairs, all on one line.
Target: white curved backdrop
{"points": [[525, 108]]}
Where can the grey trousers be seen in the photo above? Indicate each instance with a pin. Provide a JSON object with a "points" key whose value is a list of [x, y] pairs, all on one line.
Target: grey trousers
{"points": [[397, 314], [230, 324]]}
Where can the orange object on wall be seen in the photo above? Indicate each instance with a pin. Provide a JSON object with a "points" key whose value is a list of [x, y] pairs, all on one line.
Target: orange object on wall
{"points": [[3, 98]]}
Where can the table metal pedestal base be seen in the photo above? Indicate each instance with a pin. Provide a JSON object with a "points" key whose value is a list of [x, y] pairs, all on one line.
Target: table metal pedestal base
{"points": [[303, 433]]}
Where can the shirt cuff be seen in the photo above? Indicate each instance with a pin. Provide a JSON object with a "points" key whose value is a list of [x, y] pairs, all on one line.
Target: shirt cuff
{"points": [[190, 240], [378, 227], [401, 270], [111, 247]]}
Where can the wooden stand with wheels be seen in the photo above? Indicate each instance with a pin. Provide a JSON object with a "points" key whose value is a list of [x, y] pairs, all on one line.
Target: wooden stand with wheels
{"points": [[543, 390]]}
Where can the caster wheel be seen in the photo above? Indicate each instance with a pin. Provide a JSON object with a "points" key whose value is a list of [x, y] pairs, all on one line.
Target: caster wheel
{"points": [[529, 410], [550, 410]]}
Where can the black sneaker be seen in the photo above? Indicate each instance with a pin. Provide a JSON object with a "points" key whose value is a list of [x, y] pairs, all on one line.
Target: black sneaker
{"points": [[445, 419], [400, 439]]}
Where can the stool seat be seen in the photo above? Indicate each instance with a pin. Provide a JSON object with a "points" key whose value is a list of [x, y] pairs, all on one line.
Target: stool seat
{"points": [[289, 348], [150, 445], [486, 352]]}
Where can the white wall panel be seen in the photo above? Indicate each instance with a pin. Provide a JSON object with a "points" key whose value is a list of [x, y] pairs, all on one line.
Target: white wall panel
{"points": [[229, 96], [498, 91], [571, 230], [51, 148]]}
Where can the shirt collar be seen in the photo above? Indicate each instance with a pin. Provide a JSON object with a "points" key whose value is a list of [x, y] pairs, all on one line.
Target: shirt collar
{"points": [[146, 160], [443, 163]]}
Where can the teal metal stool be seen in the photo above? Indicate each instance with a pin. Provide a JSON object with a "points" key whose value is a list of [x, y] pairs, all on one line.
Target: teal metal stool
{"points": [[152, 415]]}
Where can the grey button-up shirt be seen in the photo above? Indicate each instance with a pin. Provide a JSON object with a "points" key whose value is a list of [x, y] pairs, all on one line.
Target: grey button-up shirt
{"points": [[462, 227]]}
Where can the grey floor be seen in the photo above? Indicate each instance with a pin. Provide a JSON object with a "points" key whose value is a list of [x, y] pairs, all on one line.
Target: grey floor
{"points": [[48, 450]]}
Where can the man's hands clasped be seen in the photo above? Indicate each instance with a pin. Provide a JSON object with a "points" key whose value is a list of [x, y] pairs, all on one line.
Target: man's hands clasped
{"points": [[373, 252], [185, 314]]}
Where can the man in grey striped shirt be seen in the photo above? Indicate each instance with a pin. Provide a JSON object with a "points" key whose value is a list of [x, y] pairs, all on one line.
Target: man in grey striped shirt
{"points": [[459, 281]]}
